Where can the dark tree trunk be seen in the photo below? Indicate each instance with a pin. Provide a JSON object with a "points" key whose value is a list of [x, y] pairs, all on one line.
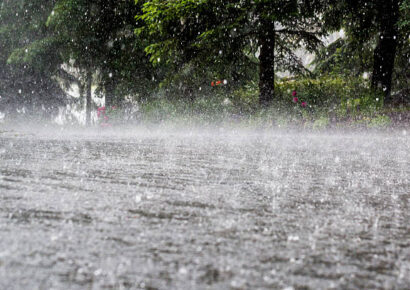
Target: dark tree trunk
{"points": [[109, 93], [266, 62], [88, 98], [81, 88], [385, 51]]}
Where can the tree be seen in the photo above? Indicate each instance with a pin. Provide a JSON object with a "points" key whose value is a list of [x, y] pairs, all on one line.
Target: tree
{"points": [[213, 31], [27, 57], [98, 38], [39, 40], [387, 12], [372, 21], [72, 24], [404, 22]]}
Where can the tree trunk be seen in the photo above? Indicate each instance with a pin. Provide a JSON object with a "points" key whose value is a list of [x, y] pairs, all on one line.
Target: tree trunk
{"points": [[88, 98], [266, 62], [81, 88], [385, 51], [109, 93]]}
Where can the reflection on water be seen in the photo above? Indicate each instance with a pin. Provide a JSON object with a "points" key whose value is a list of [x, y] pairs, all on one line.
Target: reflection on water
{"points": [[191, 210]]}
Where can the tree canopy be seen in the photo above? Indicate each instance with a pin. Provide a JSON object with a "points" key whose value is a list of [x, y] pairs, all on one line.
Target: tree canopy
{"points": [[231, 37], [141, 48], [27, 57]]}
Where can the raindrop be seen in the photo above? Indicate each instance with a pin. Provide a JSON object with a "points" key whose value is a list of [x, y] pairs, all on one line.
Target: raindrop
{"points": [[293, 238], [137, 198], [98, 272], [183, 271]]}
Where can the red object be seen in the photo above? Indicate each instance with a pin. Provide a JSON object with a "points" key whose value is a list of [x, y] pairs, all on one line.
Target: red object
{"points": [[294, 93], [295, 99], [100, 110], [218, 83], [303, 104], [212, 84]]}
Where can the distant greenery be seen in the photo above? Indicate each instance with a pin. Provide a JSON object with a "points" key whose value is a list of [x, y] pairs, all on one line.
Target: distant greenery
{"points": [[329, 102], [163, 57]]}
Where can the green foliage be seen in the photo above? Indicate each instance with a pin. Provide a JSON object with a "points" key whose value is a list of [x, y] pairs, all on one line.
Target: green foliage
{"points": [[246, 98], [380, 122], [27, 57], [344, 57], [329, 99], [99, 36], [40, 54], [74, 23], [223, 38], [321, 123], [23, 34], [167, 56], [348, 59], [326, 93], [204, 109], [404, 22], [377, 35]]}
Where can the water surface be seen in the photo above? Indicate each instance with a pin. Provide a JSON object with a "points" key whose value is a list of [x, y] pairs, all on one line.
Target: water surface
{"points": [[190, 209]]}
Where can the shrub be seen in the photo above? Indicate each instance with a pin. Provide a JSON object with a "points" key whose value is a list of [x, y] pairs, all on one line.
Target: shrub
{"points": [[341, 96], [297, 102], [246, 98], [380, 122], [321, 123]]}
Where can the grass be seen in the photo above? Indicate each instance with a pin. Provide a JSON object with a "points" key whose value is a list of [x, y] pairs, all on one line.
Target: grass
{"points": [[219, 111]]}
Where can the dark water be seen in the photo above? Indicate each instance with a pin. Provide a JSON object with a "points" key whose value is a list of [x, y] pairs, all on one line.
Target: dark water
{"points": [[191, 210]]}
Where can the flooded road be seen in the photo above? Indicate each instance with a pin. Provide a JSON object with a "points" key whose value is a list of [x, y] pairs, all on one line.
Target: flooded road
{"points": [[204, 210]]}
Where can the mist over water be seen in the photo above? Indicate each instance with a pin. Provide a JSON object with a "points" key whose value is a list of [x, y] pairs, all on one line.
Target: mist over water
{"points": [[191, 208]]}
